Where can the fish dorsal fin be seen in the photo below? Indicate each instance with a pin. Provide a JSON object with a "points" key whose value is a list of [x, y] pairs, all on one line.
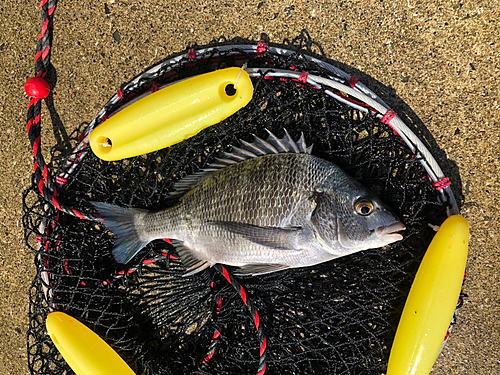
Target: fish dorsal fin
{"points": [[183, 185], [273, 145], [247, 150]]}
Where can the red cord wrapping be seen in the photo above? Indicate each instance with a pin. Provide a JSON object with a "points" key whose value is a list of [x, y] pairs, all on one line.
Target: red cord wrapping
{"points": [[354, 79], [442, 184], [261, 48], [303, 77], [387, 118]]}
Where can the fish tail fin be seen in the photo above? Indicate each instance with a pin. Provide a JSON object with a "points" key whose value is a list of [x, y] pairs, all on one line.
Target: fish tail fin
{"points": [[120, 221]]}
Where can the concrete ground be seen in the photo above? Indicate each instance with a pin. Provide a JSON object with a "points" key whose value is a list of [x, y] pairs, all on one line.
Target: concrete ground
{"points": [[441, 57]]}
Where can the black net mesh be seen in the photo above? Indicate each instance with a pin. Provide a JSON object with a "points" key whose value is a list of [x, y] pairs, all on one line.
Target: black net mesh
{"points": [[338, 318]]}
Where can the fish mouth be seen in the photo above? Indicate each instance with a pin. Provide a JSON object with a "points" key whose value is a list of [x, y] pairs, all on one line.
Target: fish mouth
{"points": [[390, 231]]}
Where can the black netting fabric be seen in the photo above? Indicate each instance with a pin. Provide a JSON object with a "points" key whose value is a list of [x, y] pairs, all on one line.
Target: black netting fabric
{"points": [[339, 317]]}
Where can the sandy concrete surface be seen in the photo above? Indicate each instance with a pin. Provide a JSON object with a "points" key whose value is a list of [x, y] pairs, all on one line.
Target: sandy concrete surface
{"points": [[442, 58]]}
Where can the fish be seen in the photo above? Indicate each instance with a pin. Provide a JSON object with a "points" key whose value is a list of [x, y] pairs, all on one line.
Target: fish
{"points": [[266, 206]]}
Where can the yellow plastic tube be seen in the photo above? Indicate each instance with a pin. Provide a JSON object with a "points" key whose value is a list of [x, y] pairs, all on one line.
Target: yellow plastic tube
{"points": [[432, 301], [82, 349], [172, 114]]}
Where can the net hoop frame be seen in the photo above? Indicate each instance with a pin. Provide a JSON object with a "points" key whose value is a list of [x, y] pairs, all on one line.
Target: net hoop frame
{"points": [[337, 84]]}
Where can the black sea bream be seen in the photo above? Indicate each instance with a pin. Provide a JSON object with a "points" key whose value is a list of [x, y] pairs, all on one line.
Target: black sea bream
{"points": [[267, 206]]}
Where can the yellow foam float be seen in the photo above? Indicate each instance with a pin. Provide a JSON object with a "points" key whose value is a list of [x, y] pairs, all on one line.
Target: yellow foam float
{"points": [[82, 349], [172, 114], [432, 300]]}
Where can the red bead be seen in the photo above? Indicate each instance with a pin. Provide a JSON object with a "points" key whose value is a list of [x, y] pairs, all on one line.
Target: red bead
{"points": [[37, 87]]}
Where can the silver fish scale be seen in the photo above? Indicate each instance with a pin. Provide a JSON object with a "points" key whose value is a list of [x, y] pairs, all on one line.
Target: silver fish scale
{"points": [[264, 191], [268, 191]]}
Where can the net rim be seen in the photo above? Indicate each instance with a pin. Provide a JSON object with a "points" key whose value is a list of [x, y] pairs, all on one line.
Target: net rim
{"points": [[336, 85]]}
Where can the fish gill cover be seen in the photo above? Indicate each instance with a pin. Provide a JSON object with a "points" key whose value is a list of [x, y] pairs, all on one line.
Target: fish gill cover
{"points": [[338, 317]]}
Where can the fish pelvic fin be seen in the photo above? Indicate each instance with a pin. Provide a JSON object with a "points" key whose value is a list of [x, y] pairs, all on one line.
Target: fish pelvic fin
{"points": [[120, 221], [259, 269], [193, 265]]}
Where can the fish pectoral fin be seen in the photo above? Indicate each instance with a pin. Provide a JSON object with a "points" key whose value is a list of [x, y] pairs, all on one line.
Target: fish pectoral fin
{"points": [[193, 265], [275, 237], [259, 269]]}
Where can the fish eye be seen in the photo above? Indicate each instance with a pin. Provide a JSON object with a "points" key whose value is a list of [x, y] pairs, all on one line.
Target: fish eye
{"points": [[363, 207]]}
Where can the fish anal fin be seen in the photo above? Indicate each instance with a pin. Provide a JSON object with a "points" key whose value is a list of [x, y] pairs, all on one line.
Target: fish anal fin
{"points": [[193, 265], [259, 269], [198, 267], [274, 237]]}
